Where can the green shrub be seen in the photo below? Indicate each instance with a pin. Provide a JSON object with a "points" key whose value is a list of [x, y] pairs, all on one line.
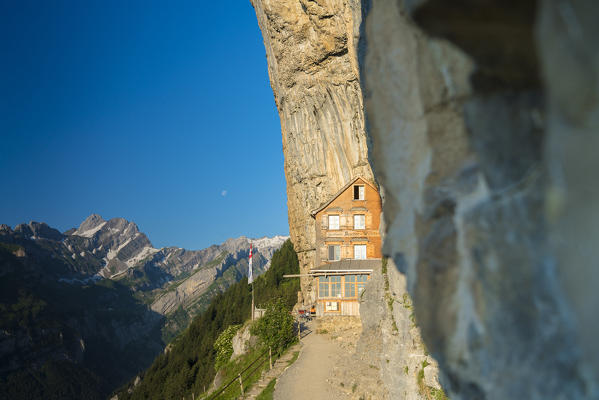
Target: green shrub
{"points": [[224, 346], [268, 392], [275, 328]]}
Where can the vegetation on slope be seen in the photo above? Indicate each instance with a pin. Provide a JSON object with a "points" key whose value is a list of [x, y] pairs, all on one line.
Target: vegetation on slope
{"points": [[275, 334], [179, 319], [189, 363], [63, 341]]}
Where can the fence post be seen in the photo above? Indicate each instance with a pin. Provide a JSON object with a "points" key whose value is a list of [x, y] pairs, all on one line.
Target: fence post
{"points": [[270, 356], [299, 330], [241, 384]]}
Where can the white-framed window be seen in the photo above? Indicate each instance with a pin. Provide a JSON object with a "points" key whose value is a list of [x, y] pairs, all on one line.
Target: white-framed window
{"points": [[354, 285], [358, 192], [331, 306], [360, 251], [360, 221], [333, 222], [329, 286], [334, 252], [362, 279], [335, 286], [323, 286], [350, 286]]}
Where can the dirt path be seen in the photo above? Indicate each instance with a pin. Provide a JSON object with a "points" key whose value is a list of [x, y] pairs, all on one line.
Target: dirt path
{"points": [[278, 368], [309, 376]]}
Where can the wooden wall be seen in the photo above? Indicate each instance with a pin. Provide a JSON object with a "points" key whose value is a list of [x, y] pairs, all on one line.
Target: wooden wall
{"points": [[346, 307], [346, 236]]}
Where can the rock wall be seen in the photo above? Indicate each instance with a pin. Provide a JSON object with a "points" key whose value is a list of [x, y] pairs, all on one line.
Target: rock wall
{"points": [[481, 121], [312, 52], [391, 340], [483, 117]]}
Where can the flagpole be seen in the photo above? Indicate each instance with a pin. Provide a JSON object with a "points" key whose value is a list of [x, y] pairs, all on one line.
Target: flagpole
{"points": [[251, 278]]}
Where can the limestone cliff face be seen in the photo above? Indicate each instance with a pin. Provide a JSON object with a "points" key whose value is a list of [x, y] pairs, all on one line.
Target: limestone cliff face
{"points": [[312, 53], [482, 125], [481, 145]]}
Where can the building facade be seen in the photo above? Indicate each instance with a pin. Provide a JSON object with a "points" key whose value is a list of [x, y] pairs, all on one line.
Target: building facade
{"points": [[348, 247]]}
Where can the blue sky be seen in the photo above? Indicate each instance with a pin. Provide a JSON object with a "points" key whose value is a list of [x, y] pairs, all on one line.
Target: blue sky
{"points": [[159, 114]]}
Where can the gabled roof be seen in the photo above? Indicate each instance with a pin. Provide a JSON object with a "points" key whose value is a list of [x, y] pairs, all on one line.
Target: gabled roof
{"points": [[343, 189]]}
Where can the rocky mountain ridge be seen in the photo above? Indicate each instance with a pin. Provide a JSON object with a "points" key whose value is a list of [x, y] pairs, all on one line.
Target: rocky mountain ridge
{"points": [[108, 249], [70, 300], [172, 281]]}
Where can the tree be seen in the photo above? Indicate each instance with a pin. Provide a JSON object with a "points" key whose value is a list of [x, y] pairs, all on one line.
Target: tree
{"points": [[275, 328], [224, 346]]}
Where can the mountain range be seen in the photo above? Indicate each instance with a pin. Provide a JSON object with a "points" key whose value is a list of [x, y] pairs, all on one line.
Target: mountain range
{"points": [[73, 302]]}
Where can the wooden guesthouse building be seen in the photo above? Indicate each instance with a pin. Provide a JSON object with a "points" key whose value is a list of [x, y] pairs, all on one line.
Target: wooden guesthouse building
{"points": [[348, 247]]}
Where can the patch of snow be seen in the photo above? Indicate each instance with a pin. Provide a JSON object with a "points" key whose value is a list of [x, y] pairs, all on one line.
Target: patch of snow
{"points": [[266, 246], [82, 254], [146, 251], [73, 256], [94, 251], [112, 253], [266, 242], [118, 273], [90, 232]]}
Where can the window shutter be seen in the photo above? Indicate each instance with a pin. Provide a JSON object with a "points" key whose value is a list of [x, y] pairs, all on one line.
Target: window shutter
{"points": [[325, 221], [331, 252], [361, 192]]}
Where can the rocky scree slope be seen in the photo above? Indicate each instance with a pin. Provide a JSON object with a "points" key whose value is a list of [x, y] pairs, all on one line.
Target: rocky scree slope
{"points": [[166, 278]]}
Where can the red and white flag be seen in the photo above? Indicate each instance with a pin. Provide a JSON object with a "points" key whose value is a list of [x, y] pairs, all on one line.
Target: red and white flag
{"points": [[250, 274]]}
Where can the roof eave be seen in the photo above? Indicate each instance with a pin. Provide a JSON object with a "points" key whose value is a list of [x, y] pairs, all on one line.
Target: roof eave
{"points": [[338, 193], [333, 271]]}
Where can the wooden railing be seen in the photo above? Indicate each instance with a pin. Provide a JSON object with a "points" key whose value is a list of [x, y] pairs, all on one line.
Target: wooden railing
{"points": [[252, 368]]}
